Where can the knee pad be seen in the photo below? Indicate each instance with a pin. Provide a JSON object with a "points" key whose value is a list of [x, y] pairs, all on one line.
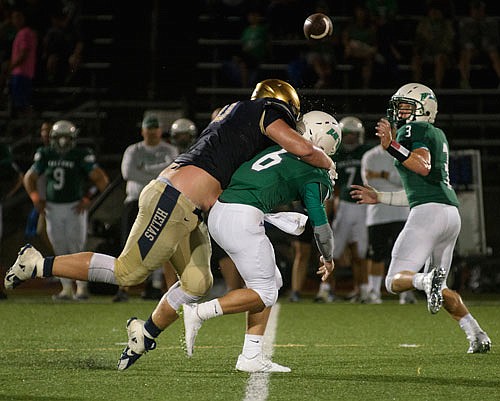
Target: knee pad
{"points": [[269, 296], [268, 291], [176, 296], [102, 269]]}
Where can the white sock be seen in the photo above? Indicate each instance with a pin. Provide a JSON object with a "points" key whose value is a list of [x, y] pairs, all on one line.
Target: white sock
{"points": [[417, 281], [376, 284], [67, 286], [363, 291], [252, 345], [210, 309], [324, 286], [469, 325]]}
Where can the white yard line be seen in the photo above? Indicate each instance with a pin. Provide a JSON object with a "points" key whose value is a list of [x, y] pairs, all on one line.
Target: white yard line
{"points": [[258, 383]]}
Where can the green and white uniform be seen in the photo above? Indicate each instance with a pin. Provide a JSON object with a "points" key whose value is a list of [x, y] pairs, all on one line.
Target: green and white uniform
{"points": [[236, 222], [349, 224], [436, 186], [433, 225], [66, 175]]}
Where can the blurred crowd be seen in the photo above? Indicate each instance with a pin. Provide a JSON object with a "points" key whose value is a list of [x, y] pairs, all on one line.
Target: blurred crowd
{"points": [[383, 42], [40, 43]]}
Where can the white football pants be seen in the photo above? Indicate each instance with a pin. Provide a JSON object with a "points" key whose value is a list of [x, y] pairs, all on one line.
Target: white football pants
{"points": [[239, 230]]}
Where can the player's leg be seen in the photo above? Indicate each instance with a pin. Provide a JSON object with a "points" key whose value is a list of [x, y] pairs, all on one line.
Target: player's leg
{"points": [[302, 246], [76, 235], [412, 250], [359, 248], [59, 219], [442, 255], [254, 257], [184, 241]]}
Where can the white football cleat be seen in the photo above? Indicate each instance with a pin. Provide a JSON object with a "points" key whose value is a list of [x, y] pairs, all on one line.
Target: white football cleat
{"points": [[137, 345], [28, 264], [259, 364], [433, 282], [192, 324], [479, 344]]}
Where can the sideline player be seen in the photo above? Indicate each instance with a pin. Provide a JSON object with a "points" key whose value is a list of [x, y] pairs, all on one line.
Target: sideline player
{"points": [[66, 169], [428, 238], [168, 226], [349, 222], [236, 222]]}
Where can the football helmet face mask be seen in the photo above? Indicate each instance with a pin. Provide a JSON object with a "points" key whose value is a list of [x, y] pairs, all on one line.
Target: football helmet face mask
{"points": [[353, 132], [322, 130], [62, 136], [278, 89], [182, 133], [423, 104]]}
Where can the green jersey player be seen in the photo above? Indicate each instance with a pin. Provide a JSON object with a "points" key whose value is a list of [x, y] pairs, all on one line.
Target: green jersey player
{"points": [[431, 231], [67, 169], [273, 177], [349, 223]]}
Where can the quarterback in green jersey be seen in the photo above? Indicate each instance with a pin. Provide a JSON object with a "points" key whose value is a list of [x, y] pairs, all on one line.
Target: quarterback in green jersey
{"points": [[272, 178], [428, 238]]}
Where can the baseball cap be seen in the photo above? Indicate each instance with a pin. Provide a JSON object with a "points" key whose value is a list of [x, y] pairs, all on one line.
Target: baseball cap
{"points": [[150, 121]]}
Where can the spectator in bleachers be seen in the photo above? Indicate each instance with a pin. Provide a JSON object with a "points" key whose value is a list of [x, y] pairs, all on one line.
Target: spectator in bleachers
{"points": [[321, 55], [359, 42], [388, 57], [62, 49], [434, 44], [22, 64], [255, 49], [478, 35]]}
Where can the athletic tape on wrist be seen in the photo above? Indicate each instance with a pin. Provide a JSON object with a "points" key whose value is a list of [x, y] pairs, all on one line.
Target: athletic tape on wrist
{"points": [[398, 151]]}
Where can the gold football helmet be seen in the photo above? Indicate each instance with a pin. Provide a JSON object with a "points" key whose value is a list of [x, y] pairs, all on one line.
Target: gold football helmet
{"points": [[278, 89]]}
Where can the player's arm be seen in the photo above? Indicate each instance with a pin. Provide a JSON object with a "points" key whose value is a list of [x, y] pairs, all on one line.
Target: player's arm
{"points": [[99, 178], [313, 196], [290, 140], [30, 184], [417, 160], [367, 195]]}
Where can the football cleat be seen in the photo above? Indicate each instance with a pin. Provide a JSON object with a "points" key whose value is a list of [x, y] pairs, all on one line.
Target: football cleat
{"points": [[259, 364], [433, 282], [138, 343], [28, 261], [373, 298], [192, 324], [294, 297], [479, 344]]}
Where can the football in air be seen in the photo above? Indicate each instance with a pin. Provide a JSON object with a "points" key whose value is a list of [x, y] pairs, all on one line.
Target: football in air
{"points": [[318, 26]]}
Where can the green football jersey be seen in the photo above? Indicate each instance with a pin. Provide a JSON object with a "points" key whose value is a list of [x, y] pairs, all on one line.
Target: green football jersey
{"points": [[349, 170], [66, 173], [436, 186], [275, 177]]}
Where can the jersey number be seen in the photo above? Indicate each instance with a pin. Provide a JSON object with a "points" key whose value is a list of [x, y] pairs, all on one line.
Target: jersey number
{"points": [[58, 175], [268, 160]]}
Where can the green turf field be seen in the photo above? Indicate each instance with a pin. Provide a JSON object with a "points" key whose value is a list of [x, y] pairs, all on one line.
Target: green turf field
{"points": [[338, 351]]}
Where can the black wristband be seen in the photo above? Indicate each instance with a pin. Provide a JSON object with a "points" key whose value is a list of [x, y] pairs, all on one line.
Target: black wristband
{"points": [[398, 151]]}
